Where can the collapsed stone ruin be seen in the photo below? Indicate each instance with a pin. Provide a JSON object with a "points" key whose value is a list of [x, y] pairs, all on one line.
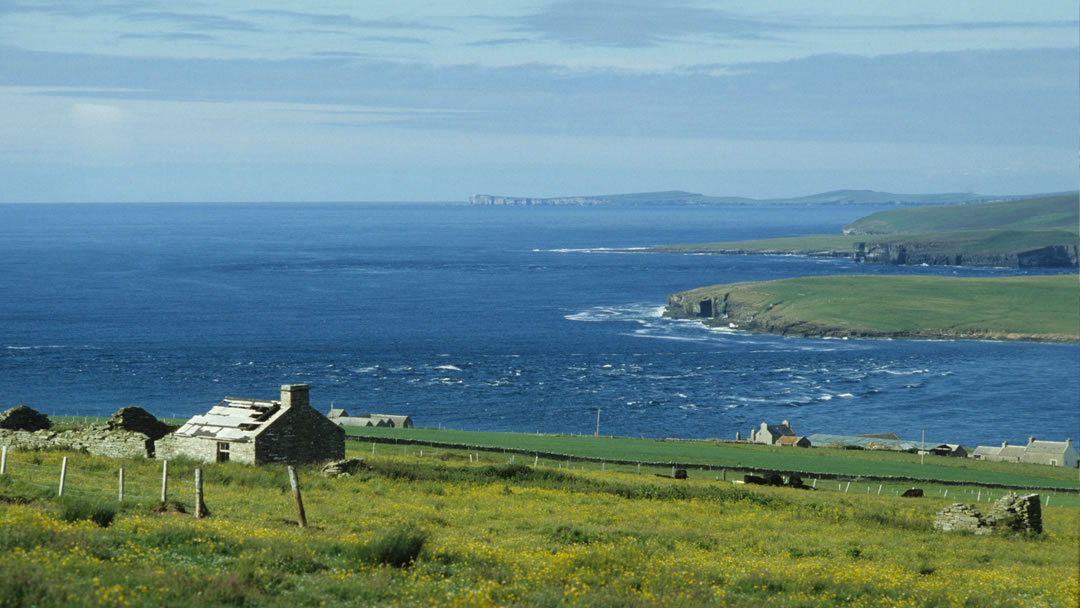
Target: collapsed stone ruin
{"points": [[130, 433], [1011, 513]]}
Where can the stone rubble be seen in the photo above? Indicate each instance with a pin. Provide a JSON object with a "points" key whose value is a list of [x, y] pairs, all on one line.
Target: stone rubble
{"points": [[1011, 513]]}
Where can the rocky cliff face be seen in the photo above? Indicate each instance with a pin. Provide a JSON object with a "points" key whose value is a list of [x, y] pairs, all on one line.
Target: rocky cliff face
{"points": [[933, 254]]}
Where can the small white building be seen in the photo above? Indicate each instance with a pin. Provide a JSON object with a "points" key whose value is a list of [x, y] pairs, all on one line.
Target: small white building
{"points": [[769, 434]]}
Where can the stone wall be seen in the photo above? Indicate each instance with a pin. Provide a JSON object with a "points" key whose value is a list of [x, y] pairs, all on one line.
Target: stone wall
{"points": [[300, 435], [1011, 513], [98, 440]]}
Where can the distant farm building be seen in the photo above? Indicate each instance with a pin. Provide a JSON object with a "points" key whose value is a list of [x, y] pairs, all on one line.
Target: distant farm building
{"points": [[770, 434], [1054, 453], [256, 431], [791, 440], [342, 418]]}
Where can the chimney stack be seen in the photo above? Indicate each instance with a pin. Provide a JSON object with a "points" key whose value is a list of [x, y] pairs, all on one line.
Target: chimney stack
{"points": [[295, 395], [1004, 444]]}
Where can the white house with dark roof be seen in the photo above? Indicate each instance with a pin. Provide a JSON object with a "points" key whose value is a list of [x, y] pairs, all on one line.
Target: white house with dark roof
{"points": [[769, 434], [258, 431]]}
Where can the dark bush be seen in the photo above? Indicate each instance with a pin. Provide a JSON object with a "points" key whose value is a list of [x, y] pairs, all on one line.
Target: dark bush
{"points": [[398, 548], [77, 509]]}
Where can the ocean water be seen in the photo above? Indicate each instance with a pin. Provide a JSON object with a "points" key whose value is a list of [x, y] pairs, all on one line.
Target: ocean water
{"points": [[515, 319]]}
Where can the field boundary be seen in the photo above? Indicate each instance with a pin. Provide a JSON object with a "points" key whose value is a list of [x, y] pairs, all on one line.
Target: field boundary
{"points": [[699, 466]]}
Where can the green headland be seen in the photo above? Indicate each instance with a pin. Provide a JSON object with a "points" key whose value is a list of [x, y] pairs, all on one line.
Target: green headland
{"points": [[1043, 308], [1036, 232]]}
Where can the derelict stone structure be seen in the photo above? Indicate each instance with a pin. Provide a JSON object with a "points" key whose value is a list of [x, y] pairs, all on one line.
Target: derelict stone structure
{"points": [[256, 431], [1011, 513]]}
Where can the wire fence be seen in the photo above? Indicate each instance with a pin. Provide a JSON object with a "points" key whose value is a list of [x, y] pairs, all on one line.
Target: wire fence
{"points": [[140, 486]]}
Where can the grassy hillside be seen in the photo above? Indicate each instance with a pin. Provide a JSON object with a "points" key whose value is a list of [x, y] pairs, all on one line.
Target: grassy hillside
{"points": [[1051, 213], [440, 531], [1029, 232], [1042, 308]]}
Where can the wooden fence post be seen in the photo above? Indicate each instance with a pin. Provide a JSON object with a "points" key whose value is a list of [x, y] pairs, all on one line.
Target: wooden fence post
{"points": [[121, 484], [3, 460], [295, 483], [63, 474], [200, 506], [164, 480]]}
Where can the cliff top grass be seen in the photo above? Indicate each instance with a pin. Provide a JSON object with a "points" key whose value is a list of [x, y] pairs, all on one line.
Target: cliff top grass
{"points": [[1049, 213], [965, 243], [1009, 227], [1038, 308]]}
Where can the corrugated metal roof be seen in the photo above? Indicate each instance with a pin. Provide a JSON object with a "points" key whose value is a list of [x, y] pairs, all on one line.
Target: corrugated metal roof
{"points": [[823, 440], [231, 420]]}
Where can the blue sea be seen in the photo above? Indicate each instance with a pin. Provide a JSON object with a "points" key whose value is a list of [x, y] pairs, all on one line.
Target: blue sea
{"points": [[477, 318]]}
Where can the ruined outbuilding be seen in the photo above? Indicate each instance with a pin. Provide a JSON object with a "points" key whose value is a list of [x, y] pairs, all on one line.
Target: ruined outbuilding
{"points": [[257, 431], [1011, 513], [24, 418]]}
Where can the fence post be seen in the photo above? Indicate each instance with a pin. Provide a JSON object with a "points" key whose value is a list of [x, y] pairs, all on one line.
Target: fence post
{"points": [[121, 484], [946, 494], [295, 483], [63, 473], [200, 506], [164, 480], [536, 459], [372, 448], [847, 488], [3, 461], [879, 488], [814, 485]]}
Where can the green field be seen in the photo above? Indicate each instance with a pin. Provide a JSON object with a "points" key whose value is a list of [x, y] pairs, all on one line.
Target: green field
{"points": [[984, 234], [1050, 213], [434, 528], [730, 455], [1040, 308]]}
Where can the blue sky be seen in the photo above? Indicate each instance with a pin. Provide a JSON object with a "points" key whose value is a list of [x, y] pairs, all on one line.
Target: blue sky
{"points": [[140, 100]]}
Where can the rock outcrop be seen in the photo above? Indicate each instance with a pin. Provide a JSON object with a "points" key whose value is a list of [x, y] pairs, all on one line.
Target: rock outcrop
{"points": [[344, 468], [942, 254]]}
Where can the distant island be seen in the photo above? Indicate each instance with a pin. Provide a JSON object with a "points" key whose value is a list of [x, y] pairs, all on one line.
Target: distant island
{"points": [[1012, 308], [1030, 232], [681, 198]]}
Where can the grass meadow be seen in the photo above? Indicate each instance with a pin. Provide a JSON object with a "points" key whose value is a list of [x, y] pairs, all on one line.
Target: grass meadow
{"points": [[440, 527], [1033, 306]]}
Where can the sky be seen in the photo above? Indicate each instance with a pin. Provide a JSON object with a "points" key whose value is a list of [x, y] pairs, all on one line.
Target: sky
{"points": [[412, 100]]}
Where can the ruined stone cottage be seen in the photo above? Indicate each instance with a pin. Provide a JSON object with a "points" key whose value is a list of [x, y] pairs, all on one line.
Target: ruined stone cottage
{"points": [[256, 431]]}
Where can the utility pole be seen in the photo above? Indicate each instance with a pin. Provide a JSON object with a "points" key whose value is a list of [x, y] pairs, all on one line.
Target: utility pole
{"points": [[922, 451]]}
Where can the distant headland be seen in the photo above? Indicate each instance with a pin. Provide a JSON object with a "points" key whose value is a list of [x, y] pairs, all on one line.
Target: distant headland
{"points": [[682, 198]]}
